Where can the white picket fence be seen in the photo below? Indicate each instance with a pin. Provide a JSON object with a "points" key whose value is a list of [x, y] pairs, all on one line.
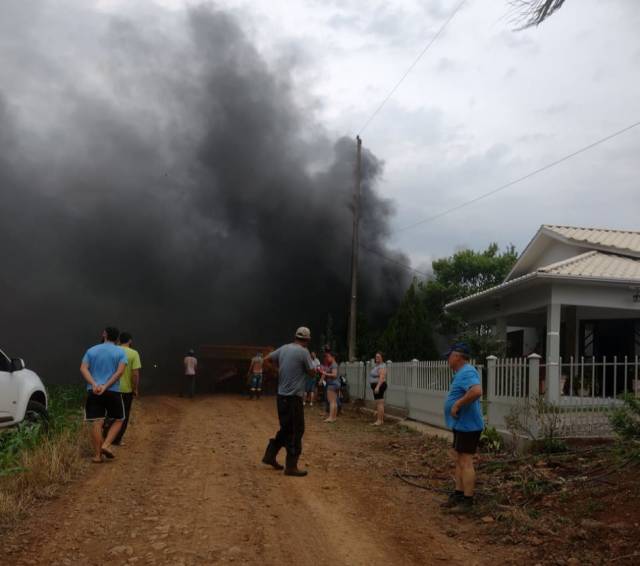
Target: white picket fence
{"points": [[419, 388], [589, 390]]}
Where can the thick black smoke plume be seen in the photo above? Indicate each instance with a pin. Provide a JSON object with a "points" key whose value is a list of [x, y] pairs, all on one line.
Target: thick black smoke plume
{"points": [[159, 175]]}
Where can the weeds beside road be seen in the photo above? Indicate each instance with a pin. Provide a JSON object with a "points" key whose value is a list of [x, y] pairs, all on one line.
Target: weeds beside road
{"points": [[35, 460]]}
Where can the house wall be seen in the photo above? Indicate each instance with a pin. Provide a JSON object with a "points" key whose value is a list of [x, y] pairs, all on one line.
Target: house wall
{"points": [[530, 338], [613, 297], [556, 251], [522, 299]]}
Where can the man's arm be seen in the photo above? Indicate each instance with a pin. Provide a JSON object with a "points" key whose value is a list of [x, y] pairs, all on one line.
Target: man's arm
{"points": [[116, 376], [474, 393], [86, 374], [136, 381], [136, 366]]}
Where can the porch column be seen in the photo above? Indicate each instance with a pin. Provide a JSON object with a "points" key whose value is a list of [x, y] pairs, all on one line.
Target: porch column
{"points": [[501, 334], [553, 352]]}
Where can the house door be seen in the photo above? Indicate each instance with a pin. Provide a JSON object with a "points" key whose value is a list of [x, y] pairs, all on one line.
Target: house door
{"points": [[608, 338], [515, 344]]}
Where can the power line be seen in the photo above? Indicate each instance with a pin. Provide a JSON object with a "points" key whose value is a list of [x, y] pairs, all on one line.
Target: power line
{"points": [[394, 261], [520, 179], [411, 67]]}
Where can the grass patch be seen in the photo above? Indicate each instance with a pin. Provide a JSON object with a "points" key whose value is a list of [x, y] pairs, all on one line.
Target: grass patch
{"points": [[35, 462]]}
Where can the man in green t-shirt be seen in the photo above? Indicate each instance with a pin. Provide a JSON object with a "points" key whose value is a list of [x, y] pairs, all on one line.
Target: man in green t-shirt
{"points": [[129, 381]]}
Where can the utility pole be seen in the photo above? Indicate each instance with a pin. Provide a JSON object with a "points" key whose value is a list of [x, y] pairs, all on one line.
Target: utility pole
{"points": [[353, 311]]}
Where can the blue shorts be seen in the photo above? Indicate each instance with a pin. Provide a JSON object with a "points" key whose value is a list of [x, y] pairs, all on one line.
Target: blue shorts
{"points": [[334, 385], [256, 381], [310, 385]]}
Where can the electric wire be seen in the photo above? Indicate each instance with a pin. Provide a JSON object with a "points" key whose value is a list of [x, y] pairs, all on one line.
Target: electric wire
{"points": [[412, 66], [519, 179], [394, 261]]}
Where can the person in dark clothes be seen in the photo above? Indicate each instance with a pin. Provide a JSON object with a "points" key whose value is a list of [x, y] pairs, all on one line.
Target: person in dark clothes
{"points": [[294, 365]]}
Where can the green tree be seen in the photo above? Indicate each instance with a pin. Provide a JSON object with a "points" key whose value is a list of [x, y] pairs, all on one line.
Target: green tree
{"points": [[411, 331]]}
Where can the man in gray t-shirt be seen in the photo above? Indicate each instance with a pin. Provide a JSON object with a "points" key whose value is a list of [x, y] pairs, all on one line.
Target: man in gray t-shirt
{"points": [[294, 364]]}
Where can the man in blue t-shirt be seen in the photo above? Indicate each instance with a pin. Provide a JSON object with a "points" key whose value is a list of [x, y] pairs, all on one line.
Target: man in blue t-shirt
{"points": [[101, 367], [463, 415]]}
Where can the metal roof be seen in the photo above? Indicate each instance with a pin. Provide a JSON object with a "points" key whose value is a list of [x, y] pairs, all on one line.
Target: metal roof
{"points": [[596, 265], [620, 240], [589, 266]]}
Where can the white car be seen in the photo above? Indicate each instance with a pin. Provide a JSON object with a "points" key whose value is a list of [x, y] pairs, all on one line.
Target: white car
{"points": [[22, 394]]}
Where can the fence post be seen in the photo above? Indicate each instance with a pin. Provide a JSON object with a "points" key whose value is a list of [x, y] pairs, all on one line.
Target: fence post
{"points": [[534, 376], [413, 384], [491, 386], [362, 374]]}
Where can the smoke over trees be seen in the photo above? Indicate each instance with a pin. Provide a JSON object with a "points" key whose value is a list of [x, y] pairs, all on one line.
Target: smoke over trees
{"points": [[165, 178]]}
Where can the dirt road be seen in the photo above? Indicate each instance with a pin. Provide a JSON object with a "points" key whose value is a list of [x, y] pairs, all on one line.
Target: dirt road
{"points": [[188, 488]]}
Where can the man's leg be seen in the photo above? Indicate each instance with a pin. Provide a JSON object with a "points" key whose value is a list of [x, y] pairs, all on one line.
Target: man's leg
{"points": [[114, 406], [96, 439], [468, 474], [127, 399], [457, 496], [294, 446], [279, 441], [459, 480], [111, 435]]}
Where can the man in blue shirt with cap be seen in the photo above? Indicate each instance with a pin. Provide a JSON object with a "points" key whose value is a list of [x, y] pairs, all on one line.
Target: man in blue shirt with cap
{"points": [[463, 415]]}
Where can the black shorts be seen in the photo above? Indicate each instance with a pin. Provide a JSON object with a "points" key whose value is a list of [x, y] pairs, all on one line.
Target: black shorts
{"points": [[383, 388], [109, 405], [466, 442]]}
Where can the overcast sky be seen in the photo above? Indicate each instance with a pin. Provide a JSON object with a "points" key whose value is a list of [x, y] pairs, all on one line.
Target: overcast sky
{"points": [[485, 105]]}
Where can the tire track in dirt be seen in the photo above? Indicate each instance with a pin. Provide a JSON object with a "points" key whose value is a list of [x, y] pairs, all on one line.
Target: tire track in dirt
{"points": [[189, 489]]}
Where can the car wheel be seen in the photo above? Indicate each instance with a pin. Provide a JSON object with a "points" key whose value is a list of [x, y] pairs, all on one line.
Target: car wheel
{"points": [[36, 413]]}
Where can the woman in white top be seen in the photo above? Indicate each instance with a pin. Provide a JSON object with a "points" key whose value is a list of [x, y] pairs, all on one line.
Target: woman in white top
{"points": [[378, 381]]}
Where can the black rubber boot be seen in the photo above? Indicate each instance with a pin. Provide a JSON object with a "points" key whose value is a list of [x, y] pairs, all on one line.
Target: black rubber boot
{"points": [[292, 467], [270, 454]]}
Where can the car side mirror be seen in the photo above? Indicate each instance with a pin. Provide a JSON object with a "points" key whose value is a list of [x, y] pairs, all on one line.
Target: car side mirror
{"points": [[17, 364]]}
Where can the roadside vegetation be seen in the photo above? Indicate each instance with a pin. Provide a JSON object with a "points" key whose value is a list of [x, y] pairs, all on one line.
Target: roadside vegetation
{"points": [[35, 460], [561, 501]]}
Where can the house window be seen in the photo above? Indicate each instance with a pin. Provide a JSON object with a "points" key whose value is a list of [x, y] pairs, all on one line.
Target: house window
{"points": [[588, 329]]}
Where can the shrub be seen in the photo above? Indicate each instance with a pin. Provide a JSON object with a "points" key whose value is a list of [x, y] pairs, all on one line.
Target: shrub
{"points": [[626, 420], [491, 440], [35, 462], [540, 421]]}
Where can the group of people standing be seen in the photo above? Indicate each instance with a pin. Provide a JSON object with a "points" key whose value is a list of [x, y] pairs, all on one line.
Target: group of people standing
{"points": [[112, 372], [299, 373], [324, 376], [298, 370]]}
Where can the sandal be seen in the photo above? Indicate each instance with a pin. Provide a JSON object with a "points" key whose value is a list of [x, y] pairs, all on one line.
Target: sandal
{"points": [[108, 453]]}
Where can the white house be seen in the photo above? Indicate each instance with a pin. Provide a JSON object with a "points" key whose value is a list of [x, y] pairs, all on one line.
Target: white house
{"points": [[573, 295]]}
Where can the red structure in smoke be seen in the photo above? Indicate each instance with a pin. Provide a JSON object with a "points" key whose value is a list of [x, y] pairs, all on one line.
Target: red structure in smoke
{"points": [[223, 368]]}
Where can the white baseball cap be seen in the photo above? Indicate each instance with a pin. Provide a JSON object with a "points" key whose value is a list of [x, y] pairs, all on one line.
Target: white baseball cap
{"points": [[303, 333]]}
